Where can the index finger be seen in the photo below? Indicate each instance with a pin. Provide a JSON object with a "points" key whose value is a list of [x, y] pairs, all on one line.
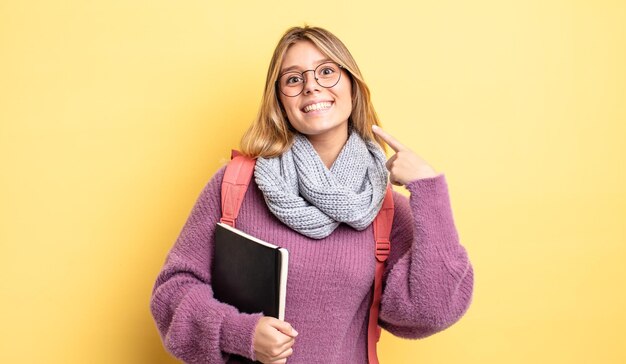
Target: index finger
{"points": [[391, 141]]}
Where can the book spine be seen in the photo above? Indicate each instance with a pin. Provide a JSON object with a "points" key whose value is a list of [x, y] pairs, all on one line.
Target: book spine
{"points": [[277, 282]]}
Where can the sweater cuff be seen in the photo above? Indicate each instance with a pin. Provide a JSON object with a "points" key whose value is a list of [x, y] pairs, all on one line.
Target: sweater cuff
{"points": [[431, 187], [237, 336]]}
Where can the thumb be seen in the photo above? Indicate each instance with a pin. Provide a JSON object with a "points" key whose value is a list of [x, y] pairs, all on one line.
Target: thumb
{"points": [[284, 327]]}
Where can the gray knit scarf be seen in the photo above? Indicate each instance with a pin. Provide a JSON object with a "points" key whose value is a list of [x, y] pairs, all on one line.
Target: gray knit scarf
{"points": [[313, 200]]}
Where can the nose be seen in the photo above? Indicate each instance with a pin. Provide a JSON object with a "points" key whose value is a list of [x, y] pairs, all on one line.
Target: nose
{"points": [[310, 83]]}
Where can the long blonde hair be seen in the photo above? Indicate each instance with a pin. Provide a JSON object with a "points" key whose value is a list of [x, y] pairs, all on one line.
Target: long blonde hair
{"points": [[270, 134]]}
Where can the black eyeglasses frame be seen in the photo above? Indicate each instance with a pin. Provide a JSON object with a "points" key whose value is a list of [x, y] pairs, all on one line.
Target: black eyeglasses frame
{"points": [[304, 79]]}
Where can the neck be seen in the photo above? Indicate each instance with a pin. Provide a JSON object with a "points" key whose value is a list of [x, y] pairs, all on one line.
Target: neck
{"points": [[328, 146]]}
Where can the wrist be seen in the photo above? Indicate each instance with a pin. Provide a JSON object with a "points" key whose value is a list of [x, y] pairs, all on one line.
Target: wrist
{"points": [[237, 334]]}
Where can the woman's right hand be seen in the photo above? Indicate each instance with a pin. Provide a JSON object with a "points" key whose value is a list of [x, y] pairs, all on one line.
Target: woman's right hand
{"points": [[273, 340]]}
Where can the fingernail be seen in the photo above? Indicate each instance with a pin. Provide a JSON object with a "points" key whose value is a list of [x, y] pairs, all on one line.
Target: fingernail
{"points": [[295, 333], [374, 126]]}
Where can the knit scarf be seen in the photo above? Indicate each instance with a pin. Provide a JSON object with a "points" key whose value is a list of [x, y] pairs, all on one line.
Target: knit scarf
{"points": [[312, 199]]}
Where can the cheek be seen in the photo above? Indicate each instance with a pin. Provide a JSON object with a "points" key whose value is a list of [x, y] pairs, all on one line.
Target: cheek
{"points": [[346, 92], [286, 102], [346, 96], [285, 105]]}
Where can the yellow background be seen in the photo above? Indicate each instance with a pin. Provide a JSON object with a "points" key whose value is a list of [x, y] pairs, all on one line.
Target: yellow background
{"points": [[114, 114]]}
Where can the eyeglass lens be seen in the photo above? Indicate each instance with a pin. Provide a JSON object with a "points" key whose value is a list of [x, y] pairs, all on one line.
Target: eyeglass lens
{"points": [[326, 74]]}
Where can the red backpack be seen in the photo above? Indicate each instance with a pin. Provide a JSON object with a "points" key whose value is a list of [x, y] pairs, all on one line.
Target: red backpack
{"points": [[234, 186]]}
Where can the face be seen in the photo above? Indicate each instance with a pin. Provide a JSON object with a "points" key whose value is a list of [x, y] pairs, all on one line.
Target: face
{"points": [[317, 111]]}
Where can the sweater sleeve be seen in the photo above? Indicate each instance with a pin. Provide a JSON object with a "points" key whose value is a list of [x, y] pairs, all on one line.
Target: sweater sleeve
{"points": [[194, 326], [429, 278]]}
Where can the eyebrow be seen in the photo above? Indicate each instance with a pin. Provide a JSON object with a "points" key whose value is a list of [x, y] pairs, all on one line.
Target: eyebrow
{"points": [[294, 67]]}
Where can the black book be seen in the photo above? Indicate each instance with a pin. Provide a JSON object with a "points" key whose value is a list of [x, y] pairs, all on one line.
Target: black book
{"points": [[249, 273]]}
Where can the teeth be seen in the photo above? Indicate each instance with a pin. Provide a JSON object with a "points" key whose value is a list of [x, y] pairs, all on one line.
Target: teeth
{"points": [[318, 106]]}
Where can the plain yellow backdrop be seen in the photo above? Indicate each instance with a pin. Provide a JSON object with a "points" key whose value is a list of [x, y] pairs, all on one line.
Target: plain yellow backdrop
{"points": [[114, 114]]}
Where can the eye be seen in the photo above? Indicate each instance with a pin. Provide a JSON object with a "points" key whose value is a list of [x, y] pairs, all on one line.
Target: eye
{"points": [[327, 70], [292, 79]]}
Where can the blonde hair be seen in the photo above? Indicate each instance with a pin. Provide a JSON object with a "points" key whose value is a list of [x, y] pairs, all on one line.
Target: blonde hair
{"points": [[271, 134]]}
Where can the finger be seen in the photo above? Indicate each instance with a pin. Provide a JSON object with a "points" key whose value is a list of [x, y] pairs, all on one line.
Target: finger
{"points": [[279, 361], [396, 183], [390, 140], [284, 327], [389, 162], [284, 355], [285, 345], [279, 352]]}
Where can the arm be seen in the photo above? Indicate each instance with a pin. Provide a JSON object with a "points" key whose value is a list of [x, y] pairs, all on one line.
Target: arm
{"points": [[429, 279], [193, 325]]}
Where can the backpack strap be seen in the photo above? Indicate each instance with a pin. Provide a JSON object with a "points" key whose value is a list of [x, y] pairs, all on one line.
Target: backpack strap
{"points": [[234, 186], [382, 231]]}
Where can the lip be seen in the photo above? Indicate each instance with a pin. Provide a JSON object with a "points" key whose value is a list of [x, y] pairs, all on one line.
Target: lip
{"points": [[332, 103]]}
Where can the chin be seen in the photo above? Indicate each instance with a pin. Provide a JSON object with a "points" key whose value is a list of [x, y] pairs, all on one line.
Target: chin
{"points": [[341, 128]]}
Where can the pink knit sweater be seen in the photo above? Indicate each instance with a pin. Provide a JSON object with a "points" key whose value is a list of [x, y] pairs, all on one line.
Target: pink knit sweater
{"points": [[427, 283]]}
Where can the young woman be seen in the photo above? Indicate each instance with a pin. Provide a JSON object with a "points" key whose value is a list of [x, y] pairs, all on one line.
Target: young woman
{"points": [[319, 182]]}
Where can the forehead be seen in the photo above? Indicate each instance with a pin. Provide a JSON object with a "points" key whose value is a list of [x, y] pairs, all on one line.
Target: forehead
{"points": [[302, 55]]}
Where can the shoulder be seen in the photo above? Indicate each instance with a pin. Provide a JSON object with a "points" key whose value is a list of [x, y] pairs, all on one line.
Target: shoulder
{"points": [[215, 181], [212, 191], [210, 195], [218, 176], [400, 200], [400, 204], [402, 216]]}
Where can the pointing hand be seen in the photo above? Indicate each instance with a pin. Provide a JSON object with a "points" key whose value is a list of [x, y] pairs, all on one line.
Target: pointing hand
{"points": [[404, 166]]}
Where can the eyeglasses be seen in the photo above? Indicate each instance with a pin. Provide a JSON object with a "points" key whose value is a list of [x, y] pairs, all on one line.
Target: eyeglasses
{"points": [[291, 83]]}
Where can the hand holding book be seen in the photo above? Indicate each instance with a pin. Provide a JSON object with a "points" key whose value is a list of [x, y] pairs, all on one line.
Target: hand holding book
{"points": [[273, 340], [251, 274]]}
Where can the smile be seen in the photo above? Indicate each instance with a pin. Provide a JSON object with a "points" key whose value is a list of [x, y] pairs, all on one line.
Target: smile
{"points": [[319, 106]]}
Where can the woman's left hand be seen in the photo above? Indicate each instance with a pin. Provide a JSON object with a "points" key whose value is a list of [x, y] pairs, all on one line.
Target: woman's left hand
{"points": [[404, 166]]}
